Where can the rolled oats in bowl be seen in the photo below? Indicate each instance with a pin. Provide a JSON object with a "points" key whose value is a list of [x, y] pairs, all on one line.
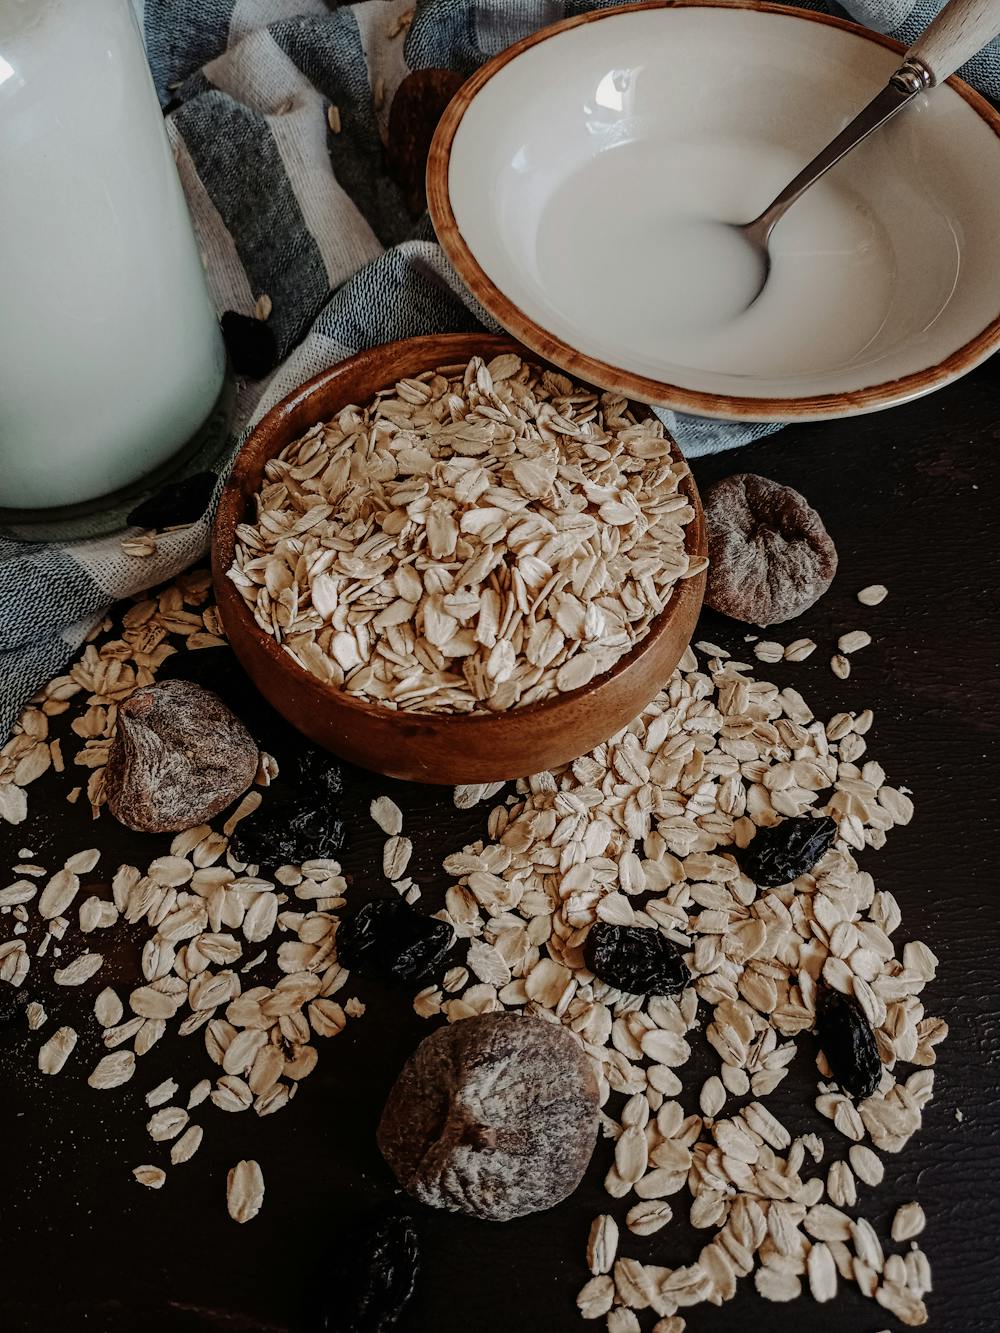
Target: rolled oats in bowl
{"points": [[481, 536]]}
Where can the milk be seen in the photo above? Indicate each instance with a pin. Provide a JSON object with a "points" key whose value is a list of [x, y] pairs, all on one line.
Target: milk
{"points": [[672, 284], [110, 354]]}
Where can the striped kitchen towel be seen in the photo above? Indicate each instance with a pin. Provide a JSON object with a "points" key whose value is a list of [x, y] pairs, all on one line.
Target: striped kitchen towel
{"points": [[279, 113]]}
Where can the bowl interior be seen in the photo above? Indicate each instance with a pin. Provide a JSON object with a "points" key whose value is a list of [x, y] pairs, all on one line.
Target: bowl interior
{"points": [[573, 160]]}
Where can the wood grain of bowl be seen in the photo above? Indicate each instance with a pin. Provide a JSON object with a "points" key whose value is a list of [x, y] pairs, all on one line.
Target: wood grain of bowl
{"points": [[422, 747]]}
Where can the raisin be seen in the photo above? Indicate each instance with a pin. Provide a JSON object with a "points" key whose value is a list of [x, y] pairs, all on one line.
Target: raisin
{"points": [[848, 1042], [287, 833], [251, 345], [782, 853], [388, 940], [175, 505], [372, 1279], [770, 557], [635, 959]]}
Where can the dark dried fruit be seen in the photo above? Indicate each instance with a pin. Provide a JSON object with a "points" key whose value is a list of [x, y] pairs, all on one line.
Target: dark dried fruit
{"points": [[388, 940], [770, 557], [371, 1279], [251, 345], [416, 109], [848, 1042], [179, 757], [495, 1116], [782, 853], [282, 833], [177, 504], [635, 959]]}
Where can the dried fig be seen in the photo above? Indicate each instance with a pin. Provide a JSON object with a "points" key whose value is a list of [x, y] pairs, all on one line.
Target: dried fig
{"points": [[770, 557], [179, 757], [495, 1116]]}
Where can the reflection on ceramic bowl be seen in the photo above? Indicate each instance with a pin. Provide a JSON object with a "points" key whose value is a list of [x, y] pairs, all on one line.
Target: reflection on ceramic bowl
{"points": [[574, 181]]}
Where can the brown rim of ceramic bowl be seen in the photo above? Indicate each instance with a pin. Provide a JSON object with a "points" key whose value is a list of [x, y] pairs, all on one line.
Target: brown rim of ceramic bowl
{"points": [[852, 402], [291, 418]]}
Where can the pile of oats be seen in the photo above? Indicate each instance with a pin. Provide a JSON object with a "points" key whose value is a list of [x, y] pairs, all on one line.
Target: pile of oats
{"points": [[640, 832], [481, 536]]}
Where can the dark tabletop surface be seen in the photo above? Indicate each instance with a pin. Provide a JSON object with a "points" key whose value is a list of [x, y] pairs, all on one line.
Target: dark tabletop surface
{"points": [[910, 497]]}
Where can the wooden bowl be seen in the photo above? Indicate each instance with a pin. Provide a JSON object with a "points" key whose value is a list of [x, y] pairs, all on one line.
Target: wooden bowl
{"points": [[422, 747]]}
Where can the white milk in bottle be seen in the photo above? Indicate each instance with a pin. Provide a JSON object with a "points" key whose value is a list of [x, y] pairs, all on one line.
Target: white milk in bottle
{"points": [[110, 353]]}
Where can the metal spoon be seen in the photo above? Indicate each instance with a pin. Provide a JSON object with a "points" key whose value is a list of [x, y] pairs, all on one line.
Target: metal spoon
{"points": [[962, 28]]}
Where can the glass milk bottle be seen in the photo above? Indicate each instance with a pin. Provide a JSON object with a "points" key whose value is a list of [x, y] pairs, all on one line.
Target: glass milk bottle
{"points": [[110, 354]]}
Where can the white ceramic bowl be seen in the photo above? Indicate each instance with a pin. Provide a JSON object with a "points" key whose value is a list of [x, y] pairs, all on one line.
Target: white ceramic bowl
{"points": [[556, 169]]}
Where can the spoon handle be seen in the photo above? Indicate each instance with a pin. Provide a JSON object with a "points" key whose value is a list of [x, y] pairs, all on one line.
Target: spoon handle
{"points": [[961, 29]]}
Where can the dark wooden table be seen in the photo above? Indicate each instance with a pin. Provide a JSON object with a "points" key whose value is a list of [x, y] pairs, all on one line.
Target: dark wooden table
{"points": [[911, 497]]}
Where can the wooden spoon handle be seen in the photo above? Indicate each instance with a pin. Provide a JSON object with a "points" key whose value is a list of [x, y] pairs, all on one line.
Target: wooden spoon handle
{"points": [[961, 29]]}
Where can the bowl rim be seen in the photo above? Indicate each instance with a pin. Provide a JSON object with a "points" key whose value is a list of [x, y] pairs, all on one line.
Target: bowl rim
{"points": [[814, 407], [265, 441]]}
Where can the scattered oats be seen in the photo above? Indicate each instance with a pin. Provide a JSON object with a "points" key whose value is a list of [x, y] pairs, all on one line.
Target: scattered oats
{"points": [[54, 1053], [198, 1093], [621, 1320], [465, 797], [873, 594], [150, 1176], [263, 307], [602, 1244], [768, 651], [908, 1309], [333, 118], [166, 1123], [79, 970], [387, 815], [822, 1272], [775, 1284], [21, 891], [187, 1145], [247, 806], [857, 638], [396, 856], [161, 1093], [866, 1165], [799, 650], [58, 893], [354, 1008], [959, 1114], [82, 863], [712, 1097], [908, 1222], [840, 666], [244, 1191], [35, 1014], [114, 1070], [596, 1297], [649, 1216]]}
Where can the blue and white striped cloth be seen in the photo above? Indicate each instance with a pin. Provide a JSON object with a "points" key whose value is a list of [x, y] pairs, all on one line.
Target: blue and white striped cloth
{"points": [[283, 206]]}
